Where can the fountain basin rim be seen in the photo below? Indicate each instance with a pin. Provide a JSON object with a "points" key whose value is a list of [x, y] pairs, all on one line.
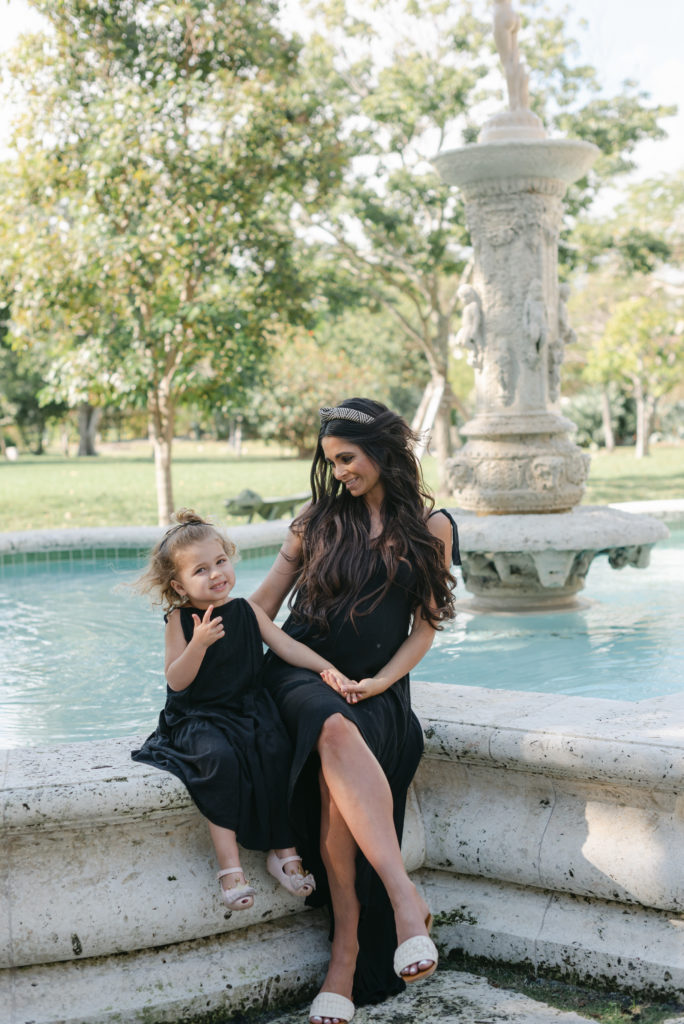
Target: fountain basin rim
{"points": [[246, 536], [272, 534], [564, 160], [640, 743], [586, 527]]}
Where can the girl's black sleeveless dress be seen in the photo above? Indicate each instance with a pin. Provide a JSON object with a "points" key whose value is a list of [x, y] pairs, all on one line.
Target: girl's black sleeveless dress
{"points": [[389, 727], [223, 737]]}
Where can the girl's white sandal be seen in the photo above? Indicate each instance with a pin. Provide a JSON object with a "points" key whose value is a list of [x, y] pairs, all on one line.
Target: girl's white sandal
{"points": [[241, 897], [329, 1004], [298, 884]]}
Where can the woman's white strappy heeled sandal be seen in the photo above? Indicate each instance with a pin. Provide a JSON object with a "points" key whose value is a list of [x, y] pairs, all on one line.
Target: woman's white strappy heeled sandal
{"points": [[415, 950], [241, 897], [329, 1004], [297, 884]]}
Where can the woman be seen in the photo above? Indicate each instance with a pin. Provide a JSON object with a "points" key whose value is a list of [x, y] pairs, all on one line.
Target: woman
{"points": [[368, 565]]}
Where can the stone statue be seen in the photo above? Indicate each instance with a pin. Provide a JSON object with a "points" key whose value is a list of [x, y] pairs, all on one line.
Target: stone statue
{"points": [[565, 336], [534, 323], [469, 336], [506, 375], [565, 331], [506, 25]]}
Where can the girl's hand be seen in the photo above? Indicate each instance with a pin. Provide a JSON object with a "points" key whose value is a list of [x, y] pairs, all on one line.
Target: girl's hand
{"points": [[208, 630], [335, 680], [354, 692]]}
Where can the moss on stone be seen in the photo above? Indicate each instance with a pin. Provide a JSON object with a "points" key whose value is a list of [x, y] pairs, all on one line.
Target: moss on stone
{"points": [[603, 1003]]}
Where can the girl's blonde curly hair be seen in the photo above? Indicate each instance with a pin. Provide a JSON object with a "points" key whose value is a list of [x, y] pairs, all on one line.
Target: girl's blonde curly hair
{"points": [[189, 528]]}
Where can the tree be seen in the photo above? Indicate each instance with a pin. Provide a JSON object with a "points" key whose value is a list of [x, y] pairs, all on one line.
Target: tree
{"points": [[162, 156], [22, 380], [408, 78], [628, 308], [643, 344], [355, 352]]}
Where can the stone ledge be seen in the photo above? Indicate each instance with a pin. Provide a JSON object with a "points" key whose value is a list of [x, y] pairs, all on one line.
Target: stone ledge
{"points": [[595, 527], [635, 742], [669, 510], [599, 941], [249, 969], [640, 743], [249, 535], [557, 804]]}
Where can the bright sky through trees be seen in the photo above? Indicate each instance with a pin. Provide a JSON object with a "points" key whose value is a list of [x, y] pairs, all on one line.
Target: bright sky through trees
{"points": [[624, 39]]}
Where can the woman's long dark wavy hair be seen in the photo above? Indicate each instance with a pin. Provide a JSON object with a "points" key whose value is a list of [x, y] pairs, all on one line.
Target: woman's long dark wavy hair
{"points": [[337, 559]]}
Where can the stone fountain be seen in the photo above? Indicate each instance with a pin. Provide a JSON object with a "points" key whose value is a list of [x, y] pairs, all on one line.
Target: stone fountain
{"points": [[519, 477]]}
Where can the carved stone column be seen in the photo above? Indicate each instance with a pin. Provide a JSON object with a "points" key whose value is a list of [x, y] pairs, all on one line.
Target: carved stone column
{"points": [[518, 456]]}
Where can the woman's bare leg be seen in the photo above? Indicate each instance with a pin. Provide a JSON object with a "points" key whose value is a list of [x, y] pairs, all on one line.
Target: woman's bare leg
{"points": [[361, 793], [338, 851]]}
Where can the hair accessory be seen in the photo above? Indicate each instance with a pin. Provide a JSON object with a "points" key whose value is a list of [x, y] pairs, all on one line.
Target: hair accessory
{"points": [[341, 412], [173, 530]]}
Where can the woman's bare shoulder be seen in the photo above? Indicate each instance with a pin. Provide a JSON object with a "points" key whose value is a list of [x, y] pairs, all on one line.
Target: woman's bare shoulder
{"points": [[438, 523]]}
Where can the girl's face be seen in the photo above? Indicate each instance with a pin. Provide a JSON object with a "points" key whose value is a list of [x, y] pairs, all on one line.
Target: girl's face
{"points": [[353, 468], [204, 573]]}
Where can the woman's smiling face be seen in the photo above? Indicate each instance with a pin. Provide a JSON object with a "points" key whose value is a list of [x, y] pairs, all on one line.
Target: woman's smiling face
{"points": [[352, 467]]}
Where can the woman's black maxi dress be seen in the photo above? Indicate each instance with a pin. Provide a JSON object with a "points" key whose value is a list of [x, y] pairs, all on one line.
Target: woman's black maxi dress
{"points": [[389, 727], [223, 737]]}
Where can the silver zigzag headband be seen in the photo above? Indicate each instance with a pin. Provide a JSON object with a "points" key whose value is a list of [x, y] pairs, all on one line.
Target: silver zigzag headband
{"points": [[343, 413]]}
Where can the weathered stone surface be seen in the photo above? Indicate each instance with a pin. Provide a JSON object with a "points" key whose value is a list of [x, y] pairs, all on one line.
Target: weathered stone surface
{"points": [[527, 561], [518, 456], [453, 997], [544, 828], [249, 535]]}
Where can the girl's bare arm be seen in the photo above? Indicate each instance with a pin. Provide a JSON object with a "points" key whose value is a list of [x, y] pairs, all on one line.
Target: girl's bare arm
{"points": [[183, 658], [292, 651]]}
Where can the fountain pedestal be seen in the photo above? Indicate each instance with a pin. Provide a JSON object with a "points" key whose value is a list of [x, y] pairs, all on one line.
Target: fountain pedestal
{"points": [[518, 456], [519, 463]]}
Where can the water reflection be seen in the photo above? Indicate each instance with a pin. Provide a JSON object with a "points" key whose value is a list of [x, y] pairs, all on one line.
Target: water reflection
{"points": [[82, 657]]}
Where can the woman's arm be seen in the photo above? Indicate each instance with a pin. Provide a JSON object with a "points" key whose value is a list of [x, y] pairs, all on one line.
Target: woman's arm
{"points": [[417, 643], [183, 658], [292, 651], [281, 577]]}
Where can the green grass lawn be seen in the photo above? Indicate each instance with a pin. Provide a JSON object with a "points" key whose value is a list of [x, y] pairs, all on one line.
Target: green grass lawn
{"points": [[619, 476], [117, 487]]}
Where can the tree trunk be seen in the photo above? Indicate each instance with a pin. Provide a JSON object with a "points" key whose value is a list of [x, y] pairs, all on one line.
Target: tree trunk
{"points": [[161, 424], [441, 440], [643, 419], [608, 433], [89, 417]]}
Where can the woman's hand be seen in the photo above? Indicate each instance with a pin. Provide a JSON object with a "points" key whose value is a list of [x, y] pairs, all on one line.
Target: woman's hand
{"points": [[336, 680], [370, 687], [207, 630]]}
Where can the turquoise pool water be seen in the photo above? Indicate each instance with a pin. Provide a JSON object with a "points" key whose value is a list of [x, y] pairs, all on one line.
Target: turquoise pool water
{"points": [[81, 657]]}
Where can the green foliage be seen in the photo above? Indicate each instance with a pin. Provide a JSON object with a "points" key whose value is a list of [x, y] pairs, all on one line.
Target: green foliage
{"points": [[354, 353], [643, 342], [408, 78], [628, 312], [22, 378], [584, 410], [162, 155], [643, 234]]}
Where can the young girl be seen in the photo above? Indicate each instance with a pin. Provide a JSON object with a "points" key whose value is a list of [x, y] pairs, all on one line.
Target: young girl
{"points": [[220, 731]]}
